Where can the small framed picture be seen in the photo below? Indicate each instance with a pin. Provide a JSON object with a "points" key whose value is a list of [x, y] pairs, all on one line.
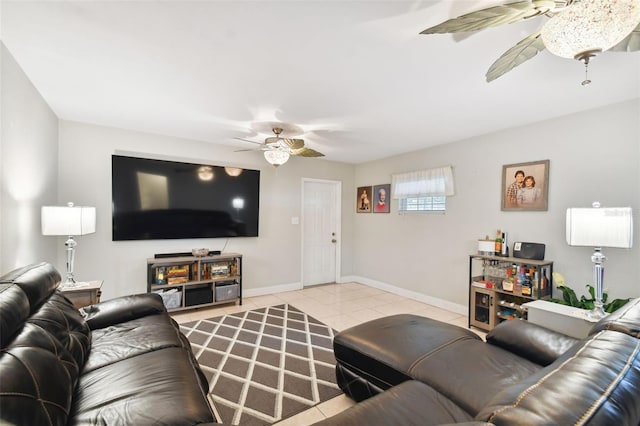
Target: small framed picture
{"points": [[381, 196], [363, 199], [525, 186]]}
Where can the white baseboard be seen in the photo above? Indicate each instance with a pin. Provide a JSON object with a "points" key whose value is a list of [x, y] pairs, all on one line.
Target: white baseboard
{"points": [[349, 279], [429, 300], [262, 291]]}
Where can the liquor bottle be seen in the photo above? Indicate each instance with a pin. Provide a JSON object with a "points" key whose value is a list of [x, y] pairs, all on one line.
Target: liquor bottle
{"points": [[544, 283], [498, 245], [526, 284], [507, 285], [520, 279]]}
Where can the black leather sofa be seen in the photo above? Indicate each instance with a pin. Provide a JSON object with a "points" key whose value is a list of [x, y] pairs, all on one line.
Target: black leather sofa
{"points": [[410, 370], [124, 362]]}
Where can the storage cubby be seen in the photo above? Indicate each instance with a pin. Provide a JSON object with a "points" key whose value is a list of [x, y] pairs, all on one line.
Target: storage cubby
{"points": [[482, 309], [186, 282]]}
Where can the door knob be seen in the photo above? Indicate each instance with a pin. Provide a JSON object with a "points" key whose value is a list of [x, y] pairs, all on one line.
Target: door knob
{"points": [[334, 241]]}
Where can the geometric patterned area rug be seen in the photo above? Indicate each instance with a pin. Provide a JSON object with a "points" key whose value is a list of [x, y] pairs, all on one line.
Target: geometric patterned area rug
{"points": [[264, 365]]}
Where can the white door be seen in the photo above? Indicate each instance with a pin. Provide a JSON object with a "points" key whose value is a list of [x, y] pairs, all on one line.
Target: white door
{"points": [[320, 231]]}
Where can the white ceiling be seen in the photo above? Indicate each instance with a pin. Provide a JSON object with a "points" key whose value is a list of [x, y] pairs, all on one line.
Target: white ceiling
{"points": [[355, 76]]}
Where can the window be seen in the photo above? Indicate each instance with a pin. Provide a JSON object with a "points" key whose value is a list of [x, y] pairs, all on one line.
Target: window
{"points": [[423, 190], [423, 204]]}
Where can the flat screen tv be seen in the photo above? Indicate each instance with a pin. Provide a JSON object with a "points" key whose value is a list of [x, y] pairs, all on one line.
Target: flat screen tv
{"points": [[157, 199]]}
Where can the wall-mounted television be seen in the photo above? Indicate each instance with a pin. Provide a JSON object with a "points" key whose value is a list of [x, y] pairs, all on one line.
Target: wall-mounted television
{"points": [[157, 199]]}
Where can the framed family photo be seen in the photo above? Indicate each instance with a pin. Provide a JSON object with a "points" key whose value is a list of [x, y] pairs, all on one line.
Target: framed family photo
{"points": [[363, 199], [525, 186], [381, 197]]}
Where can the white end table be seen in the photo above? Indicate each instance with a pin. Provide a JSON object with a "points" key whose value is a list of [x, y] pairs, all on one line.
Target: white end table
{"points": [[561, 318]]}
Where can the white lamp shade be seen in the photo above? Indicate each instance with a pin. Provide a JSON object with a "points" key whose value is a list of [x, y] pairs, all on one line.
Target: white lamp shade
{"points": [[600, 227], [74, 220], [590, 25]]}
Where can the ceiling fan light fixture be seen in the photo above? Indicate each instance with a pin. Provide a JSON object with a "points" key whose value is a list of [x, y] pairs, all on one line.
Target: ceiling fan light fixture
{"points": [[276, 157], [587, 27], [205, 173], [233, 171]]}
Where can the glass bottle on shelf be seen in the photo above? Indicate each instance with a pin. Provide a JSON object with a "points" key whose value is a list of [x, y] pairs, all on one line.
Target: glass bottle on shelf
{"points": [[526, 284], [520, 279], [498, 245]]}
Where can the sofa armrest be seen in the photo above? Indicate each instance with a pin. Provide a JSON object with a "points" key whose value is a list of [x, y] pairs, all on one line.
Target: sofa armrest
{"points": [[530, 341], [121, 309], [625, 320], [409, 403]]}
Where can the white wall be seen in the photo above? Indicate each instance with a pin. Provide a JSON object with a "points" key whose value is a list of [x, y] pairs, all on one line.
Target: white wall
{"points": [[272, 259], [595, 155], [28, 168]]}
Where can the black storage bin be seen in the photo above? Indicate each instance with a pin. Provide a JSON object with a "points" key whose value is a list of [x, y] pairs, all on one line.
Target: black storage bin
{"points": [[198, 295]]}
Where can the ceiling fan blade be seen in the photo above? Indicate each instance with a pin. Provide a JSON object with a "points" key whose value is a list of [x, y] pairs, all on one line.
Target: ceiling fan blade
{"points": [[306, 152], [249, 149], [526, 49], [293, 143], [247, 140], [630, 43], [285, 142], [493, 16]]}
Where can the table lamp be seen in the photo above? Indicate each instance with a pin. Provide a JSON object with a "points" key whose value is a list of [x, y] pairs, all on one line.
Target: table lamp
{"points": [[70, 220], [599, 227]]}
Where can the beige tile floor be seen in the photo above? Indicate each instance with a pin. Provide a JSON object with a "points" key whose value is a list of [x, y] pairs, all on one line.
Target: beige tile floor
{"points": [[341, 306]]}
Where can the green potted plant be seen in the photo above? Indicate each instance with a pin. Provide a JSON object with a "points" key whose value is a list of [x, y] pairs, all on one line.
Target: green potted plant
{"points": [[570, 298]]}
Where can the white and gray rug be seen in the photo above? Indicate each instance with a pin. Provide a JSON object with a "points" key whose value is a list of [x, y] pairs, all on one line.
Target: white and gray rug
{"points": [[264, 365]]}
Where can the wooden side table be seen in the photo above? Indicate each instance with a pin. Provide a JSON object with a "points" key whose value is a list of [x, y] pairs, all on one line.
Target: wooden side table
{"points": [[86, 293]]}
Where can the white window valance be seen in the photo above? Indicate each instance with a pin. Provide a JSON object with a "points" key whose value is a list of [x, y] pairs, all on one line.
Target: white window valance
{"points": [[436, 182]]}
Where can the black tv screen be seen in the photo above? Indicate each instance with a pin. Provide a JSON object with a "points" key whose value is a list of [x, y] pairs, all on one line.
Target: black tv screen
{"points": [[156, 199]]}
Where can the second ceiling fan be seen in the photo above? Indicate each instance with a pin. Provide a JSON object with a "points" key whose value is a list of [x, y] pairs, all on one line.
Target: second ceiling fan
{"points": [[577, 29]]}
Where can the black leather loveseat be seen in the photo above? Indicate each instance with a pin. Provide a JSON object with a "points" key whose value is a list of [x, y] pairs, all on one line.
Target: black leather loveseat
{"points": [[123, 363], [410, 370]]}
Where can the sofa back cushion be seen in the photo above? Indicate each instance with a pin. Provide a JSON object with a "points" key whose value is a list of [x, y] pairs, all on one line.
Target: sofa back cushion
{"points": [[44, 345], [63, 321], [593, 383], [22, 292], [625, 320]]}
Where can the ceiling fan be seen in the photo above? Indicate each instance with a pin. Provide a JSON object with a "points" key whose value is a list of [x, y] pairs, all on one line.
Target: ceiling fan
{"points": [[277, 149], [576, 29]]}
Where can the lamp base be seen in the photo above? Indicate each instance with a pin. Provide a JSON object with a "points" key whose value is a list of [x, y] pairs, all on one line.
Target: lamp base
{"points": [[69, 283], [598, 259], [596, 314]]}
